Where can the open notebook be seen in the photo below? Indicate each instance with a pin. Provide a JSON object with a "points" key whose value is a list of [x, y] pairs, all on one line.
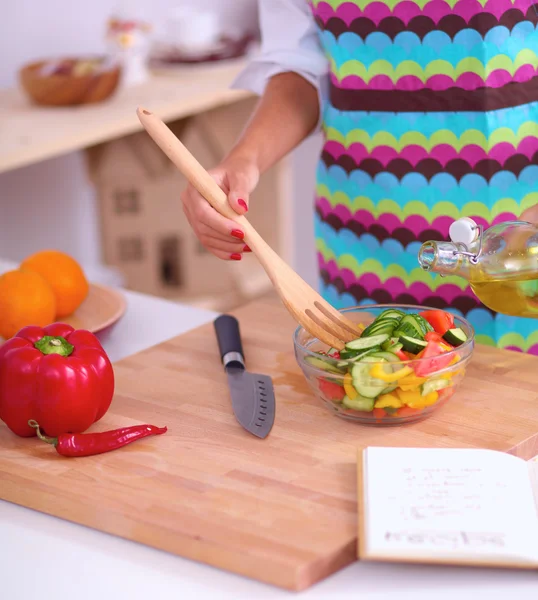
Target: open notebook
{"points": [[450, 506]]}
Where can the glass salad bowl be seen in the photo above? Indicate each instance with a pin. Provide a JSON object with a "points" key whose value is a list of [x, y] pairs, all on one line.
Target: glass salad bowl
{"points": [[406, 362]]}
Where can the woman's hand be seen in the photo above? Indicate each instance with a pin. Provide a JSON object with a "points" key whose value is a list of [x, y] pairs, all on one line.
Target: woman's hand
{"points": [[286, 113], [530, 215], [238, 177]]}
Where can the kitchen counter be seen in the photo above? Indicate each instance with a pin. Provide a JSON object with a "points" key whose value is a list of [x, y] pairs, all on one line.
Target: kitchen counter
{"points": [[47, 558]]}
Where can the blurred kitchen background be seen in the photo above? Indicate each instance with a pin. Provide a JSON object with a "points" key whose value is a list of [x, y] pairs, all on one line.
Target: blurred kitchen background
{"points": [[72, 200]]}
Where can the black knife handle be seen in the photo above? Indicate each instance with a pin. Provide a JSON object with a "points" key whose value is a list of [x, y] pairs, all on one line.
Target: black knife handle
{"points": [[229, 340]]}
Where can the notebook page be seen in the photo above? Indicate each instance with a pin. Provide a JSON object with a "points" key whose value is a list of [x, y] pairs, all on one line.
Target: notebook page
{"points": [[449, 504]]}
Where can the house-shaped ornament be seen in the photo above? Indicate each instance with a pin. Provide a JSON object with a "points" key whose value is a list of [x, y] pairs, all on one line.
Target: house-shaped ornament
{"points": [[144, 232]]}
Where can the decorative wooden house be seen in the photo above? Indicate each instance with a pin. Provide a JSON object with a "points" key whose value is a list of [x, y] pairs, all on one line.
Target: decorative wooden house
{"points": [[145, 234]]}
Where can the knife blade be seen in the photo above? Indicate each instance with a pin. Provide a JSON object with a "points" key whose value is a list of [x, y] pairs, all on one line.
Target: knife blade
{"points": [[252, 394]]}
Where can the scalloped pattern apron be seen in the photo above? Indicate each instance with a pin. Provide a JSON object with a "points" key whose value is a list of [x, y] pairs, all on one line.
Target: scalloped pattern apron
{"points": [[432, 116]]}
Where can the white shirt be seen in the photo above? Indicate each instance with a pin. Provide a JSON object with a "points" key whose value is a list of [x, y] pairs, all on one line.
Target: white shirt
{"points": [[289, 42]]}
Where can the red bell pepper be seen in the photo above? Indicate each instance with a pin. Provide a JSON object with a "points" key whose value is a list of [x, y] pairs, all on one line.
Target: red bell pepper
{"points": [[440, 320], [55, 375], [433, 359]]}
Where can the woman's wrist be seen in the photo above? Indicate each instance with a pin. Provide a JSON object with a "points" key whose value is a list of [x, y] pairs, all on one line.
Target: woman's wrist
{"points": [[245, 154], [286, 114]]}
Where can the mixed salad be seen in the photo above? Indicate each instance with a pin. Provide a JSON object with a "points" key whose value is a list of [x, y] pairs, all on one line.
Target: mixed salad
{"points": [[373, 373]]}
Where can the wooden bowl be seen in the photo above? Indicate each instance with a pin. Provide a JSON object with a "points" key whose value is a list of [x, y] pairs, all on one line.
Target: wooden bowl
{"points": [[81, 81]]}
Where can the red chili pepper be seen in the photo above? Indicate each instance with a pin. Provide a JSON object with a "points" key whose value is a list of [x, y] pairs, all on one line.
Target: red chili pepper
{"points": [[89, 444]]}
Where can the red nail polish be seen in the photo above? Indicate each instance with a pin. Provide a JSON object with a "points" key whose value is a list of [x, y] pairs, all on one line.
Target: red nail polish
{"points": [[235, 256], [242, 204], [238, 234], [246, 249]]}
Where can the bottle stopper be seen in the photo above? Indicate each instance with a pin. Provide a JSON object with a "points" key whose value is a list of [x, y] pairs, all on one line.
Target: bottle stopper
{"points": [[464, 231]]}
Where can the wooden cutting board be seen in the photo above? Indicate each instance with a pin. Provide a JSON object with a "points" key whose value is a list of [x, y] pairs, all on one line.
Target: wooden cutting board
{"points": [[281, 510]]}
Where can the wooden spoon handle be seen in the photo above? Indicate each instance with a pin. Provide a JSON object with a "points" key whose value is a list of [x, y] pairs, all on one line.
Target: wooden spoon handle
{"points": [[187, 164]]}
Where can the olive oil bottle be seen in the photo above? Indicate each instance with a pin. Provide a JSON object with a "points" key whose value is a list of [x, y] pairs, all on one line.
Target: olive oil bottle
{"points": [[500, 264]]}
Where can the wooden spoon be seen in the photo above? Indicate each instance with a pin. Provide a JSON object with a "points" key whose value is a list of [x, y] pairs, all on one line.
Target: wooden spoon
{"points": [[308, 308]]}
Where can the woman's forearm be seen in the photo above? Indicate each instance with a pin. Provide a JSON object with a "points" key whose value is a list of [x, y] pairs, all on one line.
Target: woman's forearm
{"points": [[286, 114]]}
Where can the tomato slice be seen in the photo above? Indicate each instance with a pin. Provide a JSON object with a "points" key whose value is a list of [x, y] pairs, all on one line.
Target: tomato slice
{"points": [[433, 336], [331, 390], [438, 360], [440, 320], [402, 356]]}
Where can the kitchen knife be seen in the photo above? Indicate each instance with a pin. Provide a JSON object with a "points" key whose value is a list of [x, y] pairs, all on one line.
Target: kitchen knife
{"points": [[253, 397]]}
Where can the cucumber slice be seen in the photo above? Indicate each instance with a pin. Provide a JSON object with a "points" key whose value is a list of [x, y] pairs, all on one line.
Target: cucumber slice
{"points": [[434, 385], [385, 323], [391, 312], [424, 324], [385, 355], [359, 403], [389, 343], [365, 343], [409, 321], [346, 354], [409, 330], [356, 356], [455, 337], [413, 345], [366, 385], [324, 365], [396, 348]]}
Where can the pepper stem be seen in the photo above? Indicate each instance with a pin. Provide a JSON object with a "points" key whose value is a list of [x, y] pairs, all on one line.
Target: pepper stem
{"points": [[49, 344], [44, 438]]}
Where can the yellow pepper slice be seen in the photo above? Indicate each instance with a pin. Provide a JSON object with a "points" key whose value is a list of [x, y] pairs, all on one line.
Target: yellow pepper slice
{"points": [[407, 396], [388, 400], [378, 372], [348, 387], [428, 400], [414, 399], [411, 382]]}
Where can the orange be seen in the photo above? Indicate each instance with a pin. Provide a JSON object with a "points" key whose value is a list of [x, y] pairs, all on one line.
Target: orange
{"points": [[64, 275], [25, 299]]}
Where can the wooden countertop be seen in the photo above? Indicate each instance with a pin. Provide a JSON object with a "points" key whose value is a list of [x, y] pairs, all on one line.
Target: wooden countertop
{"points": [[30, 133], [281, 510]]}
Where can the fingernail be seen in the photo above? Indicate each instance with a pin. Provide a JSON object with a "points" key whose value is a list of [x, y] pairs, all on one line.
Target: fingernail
{"points": [[235, 256], [246, 249], [242, 204], [238, 234]]}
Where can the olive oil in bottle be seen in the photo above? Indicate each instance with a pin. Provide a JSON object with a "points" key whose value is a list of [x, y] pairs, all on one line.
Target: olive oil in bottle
{"points": [[500, 264], [509, 296]]}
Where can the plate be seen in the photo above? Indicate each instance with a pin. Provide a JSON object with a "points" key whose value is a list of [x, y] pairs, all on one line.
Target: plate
{"points": [[101, 309]]}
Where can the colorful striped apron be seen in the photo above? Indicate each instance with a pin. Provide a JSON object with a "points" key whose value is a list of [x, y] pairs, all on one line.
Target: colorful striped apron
{"points": [[432, 115]]}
